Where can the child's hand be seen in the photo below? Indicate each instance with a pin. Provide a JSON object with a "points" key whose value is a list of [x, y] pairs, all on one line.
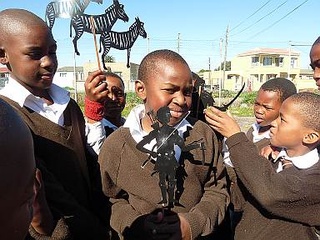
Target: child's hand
{"points": [[42, 220], [96, 94], [159, 225], [222, 122], [270, 152], [96, 87]]}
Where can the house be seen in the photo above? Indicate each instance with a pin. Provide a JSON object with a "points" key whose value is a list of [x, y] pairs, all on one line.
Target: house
{"points": [[66, 77], [128, 75], [4, 76], [258, 65]]}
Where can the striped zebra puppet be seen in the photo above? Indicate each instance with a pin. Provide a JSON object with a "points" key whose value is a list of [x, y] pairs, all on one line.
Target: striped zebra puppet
{"points": [[66, 9], [102, 23], [121, 40]]}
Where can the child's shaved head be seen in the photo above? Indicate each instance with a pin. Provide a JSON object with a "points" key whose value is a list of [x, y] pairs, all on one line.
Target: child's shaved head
{"points": [[13, 20], [150, 64], [307, 106]]}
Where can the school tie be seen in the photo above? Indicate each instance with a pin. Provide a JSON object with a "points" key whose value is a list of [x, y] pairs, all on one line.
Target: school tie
{"points": [[285, 163]]}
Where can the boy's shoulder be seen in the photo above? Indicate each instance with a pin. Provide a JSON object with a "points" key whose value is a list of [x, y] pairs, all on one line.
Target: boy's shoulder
{"points": [[199, 125], [202, 130], [119, 136]]}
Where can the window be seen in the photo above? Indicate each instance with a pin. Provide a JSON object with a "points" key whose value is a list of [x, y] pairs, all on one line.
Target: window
{"points": [[279, 62], [63, 75], [294, 63], [261, 78], [255, 61], [267, 61]]}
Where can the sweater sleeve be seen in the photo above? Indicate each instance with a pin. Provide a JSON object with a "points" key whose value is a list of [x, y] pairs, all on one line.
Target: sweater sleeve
{"points": [[286, 194]]}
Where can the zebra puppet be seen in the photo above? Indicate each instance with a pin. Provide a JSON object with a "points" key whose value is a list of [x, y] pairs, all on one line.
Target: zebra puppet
{"points": [[121, 40], [102, 23], [66, 9]]}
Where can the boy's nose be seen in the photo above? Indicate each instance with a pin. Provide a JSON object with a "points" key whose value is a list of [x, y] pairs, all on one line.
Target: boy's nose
{"points": [[180, 99], [112, 96], [47, 61], [316, 73]]}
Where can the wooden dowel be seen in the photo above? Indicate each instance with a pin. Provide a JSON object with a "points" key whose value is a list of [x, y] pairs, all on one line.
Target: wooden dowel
{"points": [[95, 40]]}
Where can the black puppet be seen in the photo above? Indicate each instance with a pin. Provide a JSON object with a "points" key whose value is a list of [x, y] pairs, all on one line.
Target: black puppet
{"points": [[163, 153]]}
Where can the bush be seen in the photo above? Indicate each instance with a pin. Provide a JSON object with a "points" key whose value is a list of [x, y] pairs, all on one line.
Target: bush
{"points": [[132, 101], [248, 97]]}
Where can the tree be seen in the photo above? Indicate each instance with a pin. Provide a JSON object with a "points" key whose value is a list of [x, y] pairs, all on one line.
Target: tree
{"points": [[221, 67], [109, 59]]}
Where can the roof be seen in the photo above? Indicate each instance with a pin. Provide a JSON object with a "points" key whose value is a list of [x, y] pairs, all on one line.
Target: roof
{"points": [[275, 51], [69, 69]]}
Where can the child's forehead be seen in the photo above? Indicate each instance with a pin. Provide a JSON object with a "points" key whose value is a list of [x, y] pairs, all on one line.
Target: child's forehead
{"points": [[269, 93]]}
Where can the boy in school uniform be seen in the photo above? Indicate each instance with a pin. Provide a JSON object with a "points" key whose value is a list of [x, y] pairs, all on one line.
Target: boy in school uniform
{"points": [[283, 198], [266, 109], [112, 118], [164, 80], [70, 175]]}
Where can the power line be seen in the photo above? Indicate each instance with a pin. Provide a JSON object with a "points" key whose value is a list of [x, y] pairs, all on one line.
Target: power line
{"points": [[268, 14], [279, 19], [250, 15]]}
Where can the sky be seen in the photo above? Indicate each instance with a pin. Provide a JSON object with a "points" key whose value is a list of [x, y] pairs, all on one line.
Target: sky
{"points": [[204, 32]]}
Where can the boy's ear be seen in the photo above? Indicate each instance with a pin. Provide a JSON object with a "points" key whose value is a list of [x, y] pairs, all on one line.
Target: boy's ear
{"points": [[140, 89], [311, 137], [3, 57]]}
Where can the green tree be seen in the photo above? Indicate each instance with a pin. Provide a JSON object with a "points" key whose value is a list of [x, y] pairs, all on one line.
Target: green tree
{"points": [[221, 67], [109, 59]]}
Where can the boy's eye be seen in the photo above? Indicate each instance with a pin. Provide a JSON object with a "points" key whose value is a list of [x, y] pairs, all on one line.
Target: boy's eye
{"points": [[188, 92], [117, 91], [170, 90], [35, 55]]}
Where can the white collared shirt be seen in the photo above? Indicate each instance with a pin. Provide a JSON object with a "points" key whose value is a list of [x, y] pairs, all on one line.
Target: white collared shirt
{"points": [[18, 93], [133, 122], [302, 162], [61, 97], [256, 137]]}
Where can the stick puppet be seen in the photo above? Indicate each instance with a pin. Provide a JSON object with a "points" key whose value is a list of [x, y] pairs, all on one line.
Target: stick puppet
{"points": [[163, 153]]}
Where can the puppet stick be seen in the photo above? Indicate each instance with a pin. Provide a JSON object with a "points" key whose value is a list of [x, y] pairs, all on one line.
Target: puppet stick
{"points": [[198, 102], [95, 41]]}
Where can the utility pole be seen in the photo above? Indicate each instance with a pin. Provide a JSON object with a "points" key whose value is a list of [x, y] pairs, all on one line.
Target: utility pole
{"points": [[210, 82], [289, 67], [225, 56], [178, 42], [75, 78], [220, 78]]}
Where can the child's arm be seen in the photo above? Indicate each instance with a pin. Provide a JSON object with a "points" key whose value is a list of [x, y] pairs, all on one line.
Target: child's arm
{"points": [[286, 194], [42, 220], [283, 194], [96, 94]]}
